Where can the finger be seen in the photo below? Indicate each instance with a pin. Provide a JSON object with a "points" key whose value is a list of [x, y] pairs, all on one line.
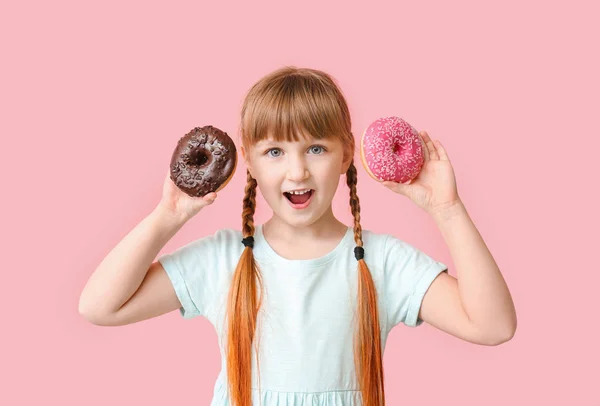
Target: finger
{"points": [[396, 187], [430, 147], [441, 151], [433, 152], [425, 150], [210, 197], [443, 156], [425, 136]]}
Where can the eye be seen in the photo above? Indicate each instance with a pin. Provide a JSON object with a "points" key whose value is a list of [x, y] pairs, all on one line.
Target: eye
{"points": [[272, 149], [318, 147]]}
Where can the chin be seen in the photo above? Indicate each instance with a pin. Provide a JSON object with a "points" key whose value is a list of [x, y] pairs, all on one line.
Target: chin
{"points": [[301, 220]]}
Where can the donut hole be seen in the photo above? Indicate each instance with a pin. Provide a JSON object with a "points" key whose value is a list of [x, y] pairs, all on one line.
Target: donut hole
{"points": [[395, 148], [199, 157]]}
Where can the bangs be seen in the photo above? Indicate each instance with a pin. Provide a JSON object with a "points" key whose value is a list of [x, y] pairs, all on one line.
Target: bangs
{"points": [[291, 108]]}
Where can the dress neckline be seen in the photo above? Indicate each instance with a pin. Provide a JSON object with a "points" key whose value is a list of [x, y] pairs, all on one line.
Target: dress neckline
{"points": [[262, 244]]}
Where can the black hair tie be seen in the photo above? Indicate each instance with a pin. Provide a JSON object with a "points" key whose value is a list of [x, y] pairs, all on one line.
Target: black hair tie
{"points": [[359, 253], [248, 241]]}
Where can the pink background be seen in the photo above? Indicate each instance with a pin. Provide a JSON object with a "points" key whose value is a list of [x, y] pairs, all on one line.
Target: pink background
{"points": [[95, 96]]}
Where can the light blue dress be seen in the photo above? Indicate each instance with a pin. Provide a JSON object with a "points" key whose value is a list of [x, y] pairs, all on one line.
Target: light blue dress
{"points": [[305, 325]]}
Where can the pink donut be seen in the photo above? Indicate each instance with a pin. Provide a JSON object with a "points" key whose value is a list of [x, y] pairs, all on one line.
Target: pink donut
{"points": [[391, 149]]}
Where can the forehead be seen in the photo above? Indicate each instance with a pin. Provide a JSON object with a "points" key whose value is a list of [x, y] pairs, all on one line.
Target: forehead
{"points": [[269, 140]]}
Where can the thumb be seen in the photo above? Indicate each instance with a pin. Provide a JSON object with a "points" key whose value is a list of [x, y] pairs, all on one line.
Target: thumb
{"points": [[209, 198]]}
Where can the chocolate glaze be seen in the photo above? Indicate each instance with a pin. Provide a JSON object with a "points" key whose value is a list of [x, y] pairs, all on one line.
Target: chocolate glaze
{"points": [[203, 160]]}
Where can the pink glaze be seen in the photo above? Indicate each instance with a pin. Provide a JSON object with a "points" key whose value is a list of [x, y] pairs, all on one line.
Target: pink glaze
{"points": [[392, 149]]}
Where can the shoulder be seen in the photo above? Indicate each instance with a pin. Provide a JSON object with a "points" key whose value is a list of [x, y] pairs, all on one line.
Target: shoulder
{"points": [[395, 253], [373, 237], [218, 243], [224, 240], [395, 245], [374, 244], [222, 236], [378, 242], [227, 235]]}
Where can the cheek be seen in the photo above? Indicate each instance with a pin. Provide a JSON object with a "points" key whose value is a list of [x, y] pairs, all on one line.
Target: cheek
{"points": [[334, 170], [267, 182]]}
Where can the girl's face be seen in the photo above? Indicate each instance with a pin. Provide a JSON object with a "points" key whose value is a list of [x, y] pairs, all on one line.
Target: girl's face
{"points": [[280, 167]]}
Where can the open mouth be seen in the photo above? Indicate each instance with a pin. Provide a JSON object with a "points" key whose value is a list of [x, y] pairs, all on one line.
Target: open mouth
{"points": [[299, 201]]}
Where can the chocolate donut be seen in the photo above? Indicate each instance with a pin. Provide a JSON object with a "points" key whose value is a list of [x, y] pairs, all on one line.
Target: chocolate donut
{"points": [[203, 161]]}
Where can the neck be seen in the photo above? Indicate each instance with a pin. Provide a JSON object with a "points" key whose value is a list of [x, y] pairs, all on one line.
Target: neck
{"points": [[326, 226]]}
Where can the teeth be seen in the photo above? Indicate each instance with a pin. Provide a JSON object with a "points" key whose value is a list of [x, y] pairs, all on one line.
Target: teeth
{"points": [[299, 192]]}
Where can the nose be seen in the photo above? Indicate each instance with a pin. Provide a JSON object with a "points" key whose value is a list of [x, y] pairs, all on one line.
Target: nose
{"points": [[297, 170]]}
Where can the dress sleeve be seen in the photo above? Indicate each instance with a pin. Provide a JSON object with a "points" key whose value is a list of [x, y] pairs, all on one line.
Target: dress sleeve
{"points": [[408, 273], [191, 270]]}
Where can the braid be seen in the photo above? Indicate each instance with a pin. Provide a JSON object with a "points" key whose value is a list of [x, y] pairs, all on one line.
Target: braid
{"points": [[249, 206], [242, 308], [351, 179]]}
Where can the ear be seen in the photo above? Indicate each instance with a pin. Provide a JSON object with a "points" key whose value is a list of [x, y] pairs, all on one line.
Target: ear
{"points": [[348, 156], [246, 159]]}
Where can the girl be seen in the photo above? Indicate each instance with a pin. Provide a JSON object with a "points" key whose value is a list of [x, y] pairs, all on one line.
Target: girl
{"points": [[303, 304]]}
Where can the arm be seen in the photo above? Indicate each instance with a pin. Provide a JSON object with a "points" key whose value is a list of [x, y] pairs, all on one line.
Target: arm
{"points": [[477, 306], [479, 288], [121, 273]]}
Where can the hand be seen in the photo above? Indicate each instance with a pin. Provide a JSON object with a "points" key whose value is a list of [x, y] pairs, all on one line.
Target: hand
{"points": [[178, 203], [434, 188]]}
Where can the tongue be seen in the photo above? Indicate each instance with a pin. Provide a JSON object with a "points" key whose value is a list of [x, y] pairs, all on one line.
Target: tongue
{"points": [[299, 199]]}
